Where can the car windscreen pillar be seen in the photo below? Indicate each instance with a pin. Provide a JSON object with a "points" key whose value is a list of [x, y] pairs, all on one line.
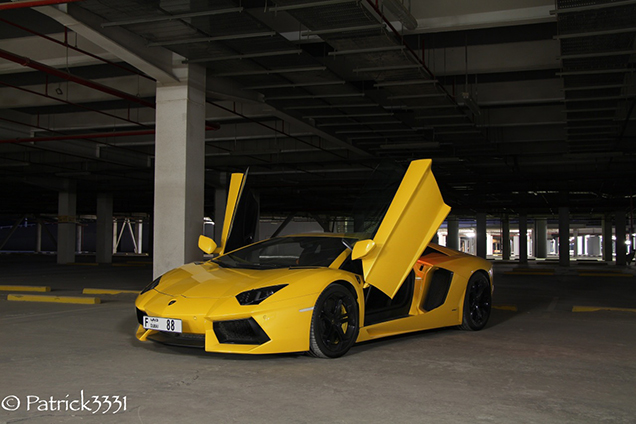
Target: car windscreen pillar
{"points": [[179, 169]]}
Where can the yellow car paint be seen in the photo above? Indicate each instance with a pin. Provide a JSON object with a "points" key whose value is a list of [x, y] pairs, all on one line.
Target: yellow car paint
{"points": [[415, 214], [202, 294]]}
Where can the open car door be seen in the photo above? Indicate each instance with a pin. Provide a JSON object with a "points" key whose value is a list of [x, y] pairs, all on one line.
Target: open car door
{"points": [[413, 217], [241, 216]]}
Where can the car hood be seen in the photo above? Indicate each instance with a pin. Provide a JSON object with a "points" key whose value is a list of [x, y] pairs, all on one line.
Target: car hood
{"points": [[209, 280]]}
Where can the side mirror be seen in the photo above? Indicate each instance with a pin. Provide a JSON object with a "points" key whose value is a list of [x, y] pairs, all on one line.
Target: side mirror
{"points": [[206, 244], [362, 249]]}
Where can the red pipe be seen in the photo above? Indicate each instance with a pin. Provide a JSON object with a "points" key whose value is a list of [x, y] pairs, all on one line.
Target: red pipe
{"points": [[34, 3], [69, 77], [77, 49], [47, 96], [78, 136]]}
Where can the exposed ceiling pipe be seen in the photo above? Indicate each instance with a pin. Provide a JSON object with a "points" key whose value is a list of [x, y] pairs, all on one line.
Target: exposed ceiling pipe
{"points": [[33, 3], [82, 81], [77, 49], [78, 136], [70, 77], [421, 61], [101, 112]]}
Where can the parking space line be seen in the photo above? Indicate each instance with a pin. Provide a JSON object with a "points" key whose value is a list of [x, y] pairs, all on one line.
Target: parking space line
{"points": [[603, 274], [108, 291], [600, 308], [53, 299], [512, 308], [26, 288]]}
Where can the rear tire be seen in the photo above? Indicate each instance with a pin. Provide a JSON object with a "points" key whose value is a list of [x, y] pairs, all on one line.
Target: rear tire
{"points": [[334, 323], [477, 303]]}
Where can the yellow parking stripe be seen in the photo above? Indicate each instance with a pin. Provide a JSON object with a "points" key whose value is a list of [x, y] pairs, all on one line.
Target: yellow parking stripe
{"points": [[53, 299], [26, 288], [108, 291], [603, 274], [512, 308], [600, 308]]}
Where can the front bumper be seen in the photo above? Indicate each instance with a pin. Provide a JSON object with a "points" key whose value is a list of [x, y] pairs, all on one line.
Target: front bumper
{"points": [[228, 327]]}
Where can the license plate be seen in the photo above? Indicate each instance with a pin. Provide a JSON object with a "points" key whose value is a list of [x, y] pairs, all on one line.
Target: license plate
{"points": [[163, 324]]}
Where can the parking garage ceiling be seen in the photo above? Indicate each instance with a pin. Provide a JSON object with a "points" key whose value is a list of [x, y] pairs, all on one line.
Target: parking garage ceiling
{"points": [[521, 104]]}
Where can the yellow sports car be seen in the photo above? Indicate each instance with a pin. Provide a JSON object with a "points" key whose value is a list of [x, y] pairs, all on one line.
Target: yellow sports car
{"points": [[321, 293]]}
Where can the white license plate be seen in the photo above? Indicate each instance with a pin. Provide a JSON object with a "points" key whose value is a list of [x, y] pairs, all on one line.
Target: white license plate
{"points": [[163, 324]]}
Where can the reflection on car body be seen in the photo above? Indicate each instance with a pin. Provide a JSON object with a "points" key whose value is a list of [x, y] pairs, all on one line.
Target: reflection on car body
{"points": [[322, 293]]}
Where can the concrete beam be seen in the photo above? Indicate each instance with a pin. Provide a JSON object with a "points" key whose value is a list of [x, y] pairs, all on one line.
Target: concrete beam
{"points": [[157, 62]]}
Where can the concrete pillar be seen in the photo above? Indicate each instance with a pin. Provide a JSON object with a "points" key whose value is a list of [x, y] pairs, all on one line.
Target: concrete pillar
{"points": [[104, 239], [67, 201], [481, 235], [607, 238], [523, 239], [505, 238], [38, 237], [79, 236], [621, 247], [541, 237], [358, 222], [139, 235], [452, 240], [564, 236], [220, 201], [179, 169]]}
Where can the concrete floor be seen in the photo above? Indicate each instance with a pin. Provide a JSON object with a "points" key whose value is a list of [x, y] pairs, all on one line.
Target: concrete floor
{"points": [[542, 363]]}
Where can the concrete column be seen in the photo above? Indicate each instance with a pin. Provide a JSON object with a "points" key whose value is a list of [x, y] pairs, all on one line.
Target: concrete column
{"points": [[67, 201], [38, 237], [564, 236], [523, 239], [220, 201], [621, 247], [452, 240], [607, 238], [104, 239], [481, 235], [541, 237], [358, 222], [505, 237], [179, 169], [79, 235], [139, 235]]}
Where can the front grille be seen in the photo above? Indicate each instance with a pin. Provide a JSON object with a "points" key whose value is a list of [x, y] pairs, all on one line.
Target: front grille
{"points": [[179, 339], [240, 331]]}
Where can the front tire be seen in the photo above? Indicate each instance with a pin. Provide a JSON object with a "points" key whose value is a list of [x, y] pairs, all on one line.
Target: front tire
{"points": [[477, 303], [334, 323]]}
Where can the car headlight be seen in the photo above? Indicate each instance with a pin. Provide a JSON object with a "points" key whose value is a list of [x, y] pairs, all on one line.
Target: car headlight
{"points": [[256, 296], [151, 285]]}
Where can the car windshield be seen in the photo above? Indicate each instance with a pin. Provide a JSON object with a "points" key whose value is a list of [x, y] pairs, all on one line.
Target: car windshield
{"points": [[286, 252]]}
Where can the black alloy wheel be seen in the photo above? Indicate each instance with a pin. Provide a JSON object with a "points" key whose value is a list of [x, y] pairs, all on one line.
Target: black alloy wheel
{"points": [[477, 303], [334, 323]]}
